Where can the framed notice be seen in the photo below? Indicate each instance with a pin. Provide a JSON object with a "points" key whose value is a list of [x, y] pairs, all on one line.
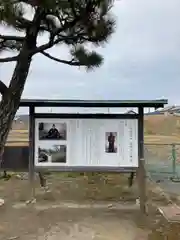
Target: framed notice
{"points": [[86, 142]]}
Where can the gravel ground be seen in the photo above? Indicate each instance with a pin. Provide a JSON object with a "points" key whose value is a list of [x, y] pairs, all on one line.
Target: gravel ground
{"points": [[67, 212]]}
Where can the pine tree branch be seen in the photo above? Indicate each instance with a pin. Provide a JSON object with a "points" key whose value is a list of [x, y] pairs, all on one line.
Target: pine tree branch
{"points": [[11, 38], [45, 46], [71, 62], [23, 23], [53, 42], [9, 59]]}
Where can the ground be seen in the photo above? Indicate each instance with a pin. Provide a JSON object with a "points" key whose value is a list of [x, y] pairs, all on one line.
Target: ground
{"points": [[57, 224], [88, 227], [81, 207], [87, 206], [100, 207]]}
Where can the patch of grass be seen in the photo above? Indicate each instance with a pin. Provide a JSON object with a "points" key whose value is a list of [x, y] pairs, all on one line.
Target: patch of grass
{"points": [[162, 125], [19, 131], [149, 132], [17, 144], [72, 186]]}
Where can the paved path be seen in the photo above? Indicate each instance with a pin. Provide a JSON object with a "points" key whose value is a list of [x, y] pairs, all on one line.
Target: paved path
{"points": [[107, 227], [86, 222]]}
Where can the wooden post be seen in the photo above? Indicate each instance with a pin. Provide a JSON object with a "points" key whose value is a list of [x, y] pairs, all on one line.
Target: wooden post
{"points": [[141, 169], [31, 152]]}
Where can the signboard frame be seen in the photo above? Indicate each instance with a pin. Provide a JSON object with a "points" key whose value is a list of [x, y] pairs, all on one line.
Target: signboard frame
{"points": [[139, 104]]}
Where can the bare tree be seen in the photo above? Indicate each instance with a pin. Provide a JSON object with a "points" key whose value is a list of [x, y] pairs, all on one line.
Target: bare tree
{"points": [[70, 22]]}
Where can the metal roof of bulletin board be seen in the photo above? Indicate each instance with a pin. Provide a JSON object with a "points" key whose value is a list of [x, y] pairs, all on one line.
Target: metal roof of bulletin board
{"points": [[93, 103]]}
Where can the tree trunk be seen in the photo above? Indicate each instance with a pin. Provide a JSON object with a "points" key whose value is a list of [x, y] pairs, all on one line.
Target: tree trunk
{"points": [[10, 103], [11, 99]]}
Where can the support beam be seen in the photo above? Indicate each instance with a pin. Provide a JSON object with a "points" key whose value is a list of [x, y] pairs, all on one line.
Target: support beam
{"points": [[31, 152], [141, 169]]}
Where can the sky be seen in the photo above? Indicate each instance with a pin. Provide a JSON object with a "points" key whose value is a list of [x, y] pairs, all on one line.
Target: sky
{"points": [[141, 60]]}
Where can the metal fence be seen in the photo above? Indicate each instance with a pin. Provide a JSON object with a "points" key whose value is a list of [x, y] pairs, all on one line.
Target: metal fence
{"points": [[163, 160]]}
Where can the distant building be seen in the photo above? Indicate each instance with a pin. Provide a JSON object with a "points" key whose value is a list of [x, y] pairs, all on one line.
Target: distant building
{"points": [[169, 110], [130, 112]]}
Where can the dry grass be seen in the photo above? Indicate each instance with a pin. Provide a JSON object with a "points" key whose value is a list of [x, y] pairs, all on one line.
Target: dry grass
{"points": [[162, 125], [18, 138], [73, 186], [17, 144]]}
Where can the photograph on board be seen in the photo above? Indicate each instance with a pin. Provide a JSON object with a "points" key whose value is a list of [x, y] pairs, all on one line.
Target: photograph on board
{"points": [[111, 142], [52, 131], [52, 153]]}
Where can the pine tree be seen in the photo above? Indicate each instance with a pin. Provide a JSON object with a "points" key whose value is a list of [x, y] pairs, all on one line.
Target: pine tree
{"points": [[70, 22]]}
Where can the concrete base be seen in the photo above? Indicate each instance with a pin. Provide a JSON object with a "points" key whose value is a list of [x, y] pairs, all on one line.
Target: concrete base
{"points": [[171, 213], [74, 205]]}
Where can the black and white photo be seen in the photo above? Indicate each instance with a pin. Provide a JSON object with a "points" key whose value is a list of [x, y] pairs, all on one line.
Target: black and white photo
{"points": [[52, 153], [52, 131], [111, 142]]}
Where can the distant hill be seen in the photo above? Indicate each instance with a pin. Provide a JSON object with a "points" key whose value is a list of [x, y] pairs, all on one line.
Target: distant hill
{"points": [[168, 125]]}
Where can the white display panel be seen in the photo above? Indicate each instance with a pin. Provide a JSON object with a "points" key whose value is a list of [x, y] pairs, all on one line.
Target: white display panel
{"points": [[86, 142]]}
